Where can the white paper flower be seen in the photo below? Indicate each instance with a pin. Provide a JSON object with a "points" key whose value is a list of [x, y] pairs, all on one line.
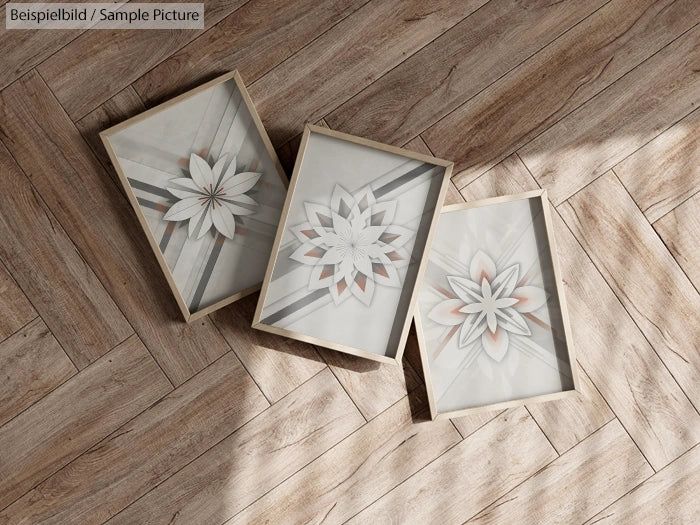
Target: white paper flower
{"points": [[352, 245], [212, 197], [488, 305]]}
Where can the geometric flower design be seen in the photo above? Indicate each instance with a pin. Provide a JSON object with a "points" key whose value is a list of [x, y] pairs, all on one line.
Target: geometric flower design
{"points": [[488, 305], [352, 245], [212, 197]]}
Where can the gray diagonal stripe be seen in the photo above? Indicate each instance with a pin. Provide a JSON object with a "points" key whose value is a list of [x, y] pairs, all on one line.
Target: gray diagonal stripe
{"points": [[150, 188], [300, 303], [403, 179], [206, 275]]}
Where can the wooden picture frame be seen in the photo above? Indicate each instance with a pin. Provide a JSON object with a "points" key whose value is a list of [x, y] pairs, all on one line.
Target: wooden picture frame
{"points": [[385, 198], [493, 263], [218, 255]]}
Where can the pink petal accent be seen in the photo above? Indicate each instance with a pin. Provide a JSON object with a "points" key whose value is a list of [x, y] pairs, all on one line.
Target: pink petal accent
{"points": [[495, 345], [482, 266], [530, 298], [447, 312]]}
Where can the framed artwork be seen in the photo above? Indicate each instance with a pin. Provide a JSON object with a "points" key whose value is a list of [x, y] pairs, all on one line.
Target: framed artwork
{"points": [[491, 319], [350, 248], [207, 188]]}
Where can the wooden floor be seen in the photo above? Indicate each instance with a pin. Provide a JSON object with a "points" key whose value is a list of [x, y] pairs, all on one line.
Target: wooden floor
{"points": [[112, 409]]}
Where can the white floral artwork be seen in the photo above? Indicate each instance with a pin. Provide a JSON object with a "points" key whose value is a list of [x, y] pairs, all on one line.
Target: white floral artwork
{"points": [[212, 196], [352, 245]]}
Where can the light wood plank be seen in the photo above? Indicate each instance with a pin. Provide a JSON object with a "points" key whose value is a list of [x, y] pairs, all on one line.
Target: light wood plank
{"points": [[666, 171], [32, 364], [489, 462], [680, 231], [278, 364], [228, 477], [670, 496], [80, 412], [576, 485], [146, 450], [250, 40], [455, 67], [69, 296], [103, 226], [643, 274], [533, 96], [348, 57], [358, 470], [16, 308], [616, 122]]}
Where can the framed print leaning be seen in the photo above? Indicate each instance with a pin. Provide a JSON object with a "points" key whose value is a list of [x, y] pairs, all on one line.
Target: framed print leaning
{"points": [[351, 244], [491, 319], [207, 188]]}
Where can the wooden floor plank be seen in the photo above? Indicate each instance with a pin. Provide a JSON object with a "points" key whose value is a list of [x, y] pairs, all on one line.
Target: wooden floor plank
{"points": [[103, 226], [96, 65], [643, 274], [76, 415], [146, 450], [576, 485], [32, 364], [550, 84], [680, 231], [69, 296], [253, 460], [618, 121], [670, 496], [666, 171], [455, 67], [484, 462], [347, 58], [358, 470], [278, 364], [250, 40], [16, 308]]}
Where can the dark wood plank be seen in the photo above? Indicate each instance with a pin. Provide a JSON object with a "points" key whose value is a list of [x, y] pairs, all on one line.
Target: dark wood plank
{"points": [[69, 296], [643, 274], [146, 450], [666, 171], [103, 226], [32, 364], [227, 478], [76, 415], [680, 231], [549, 85], [455, 67], [16, 308], [251, 40], [617, 121]]}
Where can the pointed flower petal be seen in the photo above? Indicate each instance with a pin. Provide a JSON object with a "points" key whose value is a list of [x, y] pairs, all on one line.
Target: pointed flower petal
{"points": [[448, 312], [529, 298], [482, 267]]}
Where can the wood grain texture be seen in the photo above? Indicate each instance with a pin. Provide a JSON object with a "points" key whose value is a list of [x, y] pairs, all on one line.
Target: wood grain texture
{"points": [[146, 450], [480, 460], [455, 67], [608, 463], [32, 364], [349, 57], [668, 497], [593, 138], [102, 59], [228, 478], [69, 296], [76, 415], [680, 231], [354, 473], [641, 271], [103, 227], [666, 171], [250, 40], [16, 308], [277, 364], [540, 91]]}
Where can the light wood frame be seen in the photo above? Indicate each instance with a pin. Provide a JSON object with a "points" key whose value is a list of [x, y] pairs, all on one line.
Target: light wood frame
{"points": [[105, 136], [310, 128], [542, 195]]}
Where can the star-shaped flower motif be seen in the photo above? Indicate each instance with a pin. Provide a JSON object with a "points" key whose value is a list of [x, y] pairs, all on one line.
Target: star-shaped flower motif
{"points": [[488, 305], [212, 197], [352, 245]]}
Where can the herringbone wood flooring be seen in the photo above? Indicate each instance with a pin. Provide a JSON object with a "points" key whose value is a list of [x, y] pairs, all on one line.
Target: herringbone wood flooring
{"points": [[112, 409]]}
